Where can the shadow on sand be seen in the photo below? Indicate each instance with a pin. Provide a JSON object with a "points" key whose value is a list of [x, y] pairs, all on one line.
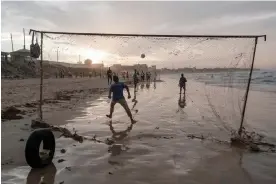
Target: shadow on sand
{"points": [[44, 175]]}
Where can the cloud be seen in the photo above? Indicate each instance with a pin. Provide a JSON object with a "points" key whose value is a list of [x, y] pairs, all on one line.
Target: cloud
{"points": [[142, 17]]}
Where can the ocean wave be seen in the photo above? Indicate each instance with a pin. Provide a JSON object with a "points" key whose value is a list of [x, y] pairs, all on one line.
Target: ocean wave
{"points": [[264, 79]]}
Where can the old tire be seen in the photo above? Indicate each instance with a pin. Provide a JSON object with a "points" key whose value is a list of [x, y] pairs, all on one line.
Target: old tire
{"points": [[32, 149]]}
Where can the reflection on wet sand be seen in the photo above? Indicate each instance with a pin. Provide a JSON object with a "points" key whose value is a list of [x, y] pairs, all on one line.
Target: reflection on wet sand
{"points": [[142, 86], [148, 85], [118, 136], [224, 168], [116, 148], [44, 175], [181, 103], [134, 100], [157, 143]]}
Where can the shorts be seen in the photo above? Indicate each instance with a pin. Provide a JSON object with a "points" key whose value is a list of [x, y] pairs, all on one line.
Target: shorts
{"points": [[121, 101], [183, 86]]}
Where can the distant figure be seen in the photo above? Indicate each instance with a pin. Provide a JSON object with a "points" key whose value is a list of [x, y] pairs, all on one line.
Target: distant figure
{"points": [[135, 102], [118, 97], [142, 76], [135, 79], [142, 85], [109, 76], [148, 76], [127, 76], [155, 76], [182, 83], [148, 85]]}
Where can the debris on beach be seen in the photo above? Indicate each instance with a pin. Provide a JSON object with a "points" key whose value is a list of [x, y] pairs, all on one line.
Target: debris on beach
{"points": [[30, 105], [68, 168], [109, 141], [62, 150], [250, 141], [39, 124], [253, 141], [21, 140], [12, 113], [254, 148], [191, 136], [67, 134], [62, 95], [9, 161], [64, 132], [60, 160]]}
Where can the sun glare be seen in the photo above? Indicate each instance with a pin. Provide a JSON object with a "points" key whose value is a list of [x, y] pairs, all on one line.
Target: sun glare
{"points": [[97, 56]]}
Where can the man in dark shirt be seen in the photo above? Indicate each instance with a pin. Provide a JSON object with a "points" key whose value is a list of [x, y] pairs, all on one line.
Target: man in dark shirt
{"points": [[182, 83], [117, 90], [135, 79], [109, 76]]}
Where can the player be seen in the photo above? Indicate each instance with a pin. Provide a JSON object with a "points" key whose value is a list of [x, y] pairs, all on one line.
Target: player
{"points": [[117, 90], [182, 83], [109, 76]]}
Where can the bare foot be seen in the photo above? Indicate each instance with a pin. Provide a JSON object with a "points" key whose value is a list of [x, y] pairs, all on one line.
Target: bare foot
{"points": [[109, 116]]}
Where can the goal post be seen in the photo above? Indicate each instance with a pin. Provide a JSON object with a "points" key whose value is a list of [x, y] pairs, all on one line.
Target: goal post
{"points": [[211, 60]]}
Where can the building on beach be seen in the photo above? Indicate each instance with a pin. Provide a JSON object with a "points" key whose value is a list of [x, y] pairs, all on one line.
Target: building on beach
{"points": [[5, 56], [20, 55]]}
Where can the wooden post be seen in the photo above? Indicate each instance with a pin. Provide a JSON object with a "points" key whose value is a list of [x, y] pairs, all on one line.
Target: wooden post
{"points": [[24, 38], [57, 54], [248, 87], [12, 43], [41, 77]]}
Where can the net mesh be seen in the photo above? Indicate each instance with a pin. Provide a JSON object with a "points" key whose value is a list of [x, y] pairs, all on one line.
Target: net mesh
{"points": [[217, 68]]}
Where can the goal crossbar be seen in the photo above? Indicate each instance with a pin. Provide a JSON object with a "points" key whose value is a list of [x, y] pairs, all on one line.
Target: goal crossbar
{"points": [[151, 35]]}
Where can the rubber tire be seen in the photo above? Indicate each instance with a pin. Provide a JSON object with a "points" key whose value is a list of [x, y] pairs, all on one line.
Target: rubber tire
{"points": [[32, 147]]}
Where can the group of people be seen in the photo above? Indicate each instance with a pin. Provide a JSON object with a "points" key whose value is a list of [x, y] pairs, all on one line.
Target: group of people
{"points": [[143, 75], [117, 88]]}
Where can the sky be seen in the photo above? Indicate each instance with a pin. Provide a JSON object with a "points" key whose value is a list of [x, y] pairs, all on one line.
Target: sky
{"points": [[202, 18]]}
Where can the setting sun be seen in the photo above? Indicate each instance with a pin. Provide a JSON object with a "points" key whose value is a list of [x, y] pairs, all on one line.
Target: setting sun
{"points": [[97, 56]]}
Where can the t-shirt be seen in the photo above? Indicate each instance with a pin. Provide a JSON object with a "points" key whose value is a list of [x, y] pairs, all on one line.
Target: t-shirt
{"points": [[118, 90], [135, 78], [109, 72], [182, 81]]}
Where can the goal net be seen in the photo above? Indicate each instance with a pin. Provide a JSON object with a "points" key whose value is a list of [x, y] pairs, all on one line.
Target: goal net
{"points": [[217, 68]]}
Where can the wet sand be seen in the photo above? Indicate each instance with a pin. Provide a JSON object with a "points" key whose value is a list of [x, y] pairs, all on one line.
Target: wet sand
{"points": [[17, 93], [156, 148]]}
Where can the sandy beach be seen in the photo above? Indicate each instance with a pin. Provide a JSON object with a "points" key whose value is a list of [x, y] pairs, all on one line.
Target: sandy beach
{"points": [[154, 150], [24, 95]]}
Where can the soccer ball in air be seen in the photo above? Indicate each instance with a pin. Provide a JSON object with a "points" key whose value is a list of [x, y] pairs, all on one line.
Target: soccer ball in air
{"points": [[143, 55]]}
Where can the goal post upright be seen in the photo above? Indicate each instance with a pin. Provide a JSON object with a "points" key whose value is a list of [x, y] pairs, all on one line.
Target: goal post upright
{"points": [[248, 84], [41, 79]]}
